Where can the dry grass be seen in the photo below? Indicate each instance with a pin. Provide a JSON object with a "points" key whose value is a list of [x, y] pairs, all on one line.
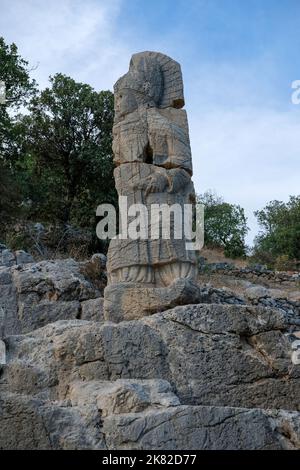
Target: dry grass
{"points": [[216, 255]]}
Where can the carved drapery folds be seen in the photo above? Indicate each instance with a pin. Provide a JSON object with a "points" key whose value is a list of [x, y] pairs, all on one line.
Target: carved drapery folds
{"points": [[153, 166]]}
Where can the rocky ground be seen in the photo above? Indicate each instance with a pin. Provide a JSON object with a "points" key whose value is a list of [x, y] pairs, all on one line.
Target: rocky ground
{"points": [[222, 374]]}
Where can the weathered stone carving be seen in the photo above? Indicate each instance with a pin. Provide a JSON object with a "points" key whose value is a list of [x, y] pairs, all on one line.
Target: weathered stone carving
{"points": [[153, 166]]}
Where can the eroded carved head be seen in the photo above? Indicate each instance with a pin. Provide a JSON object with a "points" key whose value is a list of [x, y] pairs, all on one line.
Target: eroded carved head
{"points": [[153, 79]]}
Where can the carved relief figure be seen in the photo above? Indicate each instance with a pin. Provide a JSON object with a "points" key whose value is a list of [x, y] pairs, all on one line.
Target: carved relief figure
{"points": [[153, 166]]}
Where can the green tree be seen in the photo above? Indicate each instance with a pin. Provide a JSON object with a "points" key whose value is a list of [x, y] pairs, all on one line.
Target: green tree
{"points": [[19, 87], [225, 225], [68, 152], [9, 196], [14, 72], [280, 234]]}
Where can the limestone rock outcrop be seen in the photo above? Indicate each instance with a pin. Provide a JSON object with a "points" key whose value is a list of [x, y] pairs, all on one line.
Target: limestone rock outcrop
{"points": [[31, 423], [206, 376], [219, 374], [223, 355], [35, 294]]}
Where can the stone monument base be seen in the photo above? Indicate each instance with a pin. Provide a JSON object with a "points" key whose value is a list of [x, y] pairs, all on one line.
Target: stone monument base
{"points": [[131, 301]]}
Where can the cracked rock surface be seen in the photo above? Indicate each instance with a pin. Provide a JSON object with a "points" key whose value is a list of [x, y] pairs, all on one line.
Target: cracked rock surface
{"points": [[35, 294], [206, 376]]}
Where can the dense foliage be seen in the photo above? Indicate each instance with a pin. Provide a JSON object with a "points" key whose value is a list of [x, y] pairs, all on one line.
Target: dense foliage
{"points": [[67, 152], [56, 162], [19, 88], [225, 225], [278, 244]]}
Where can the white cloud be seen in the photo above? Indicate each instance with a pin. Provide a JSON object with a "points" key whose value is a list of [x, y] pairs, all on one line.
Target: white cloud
{"points": [[69, 36], [248, 155]]}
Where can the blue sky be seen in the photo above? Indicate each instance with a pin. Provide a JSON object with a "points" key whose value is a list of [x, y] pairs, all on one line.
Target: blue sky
{"points": [[239, 58]]}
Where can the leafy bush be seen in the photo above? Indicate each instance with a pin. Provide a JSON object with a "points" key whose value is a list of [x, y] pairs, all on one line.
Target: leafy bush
{"points": [[225, 225], [279, 238]]}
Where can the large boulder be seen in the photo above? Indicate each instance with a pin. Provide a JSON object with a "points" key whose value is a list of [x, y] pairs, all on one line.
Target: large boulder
{"points": [[31, 423], [203, 427], [33, 295], [222, 355]]}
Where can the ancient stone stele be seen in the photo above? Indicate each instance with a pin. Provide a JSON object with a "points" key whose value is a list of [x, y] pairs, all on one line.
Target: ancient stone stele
{"points": [[153, 162]]}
